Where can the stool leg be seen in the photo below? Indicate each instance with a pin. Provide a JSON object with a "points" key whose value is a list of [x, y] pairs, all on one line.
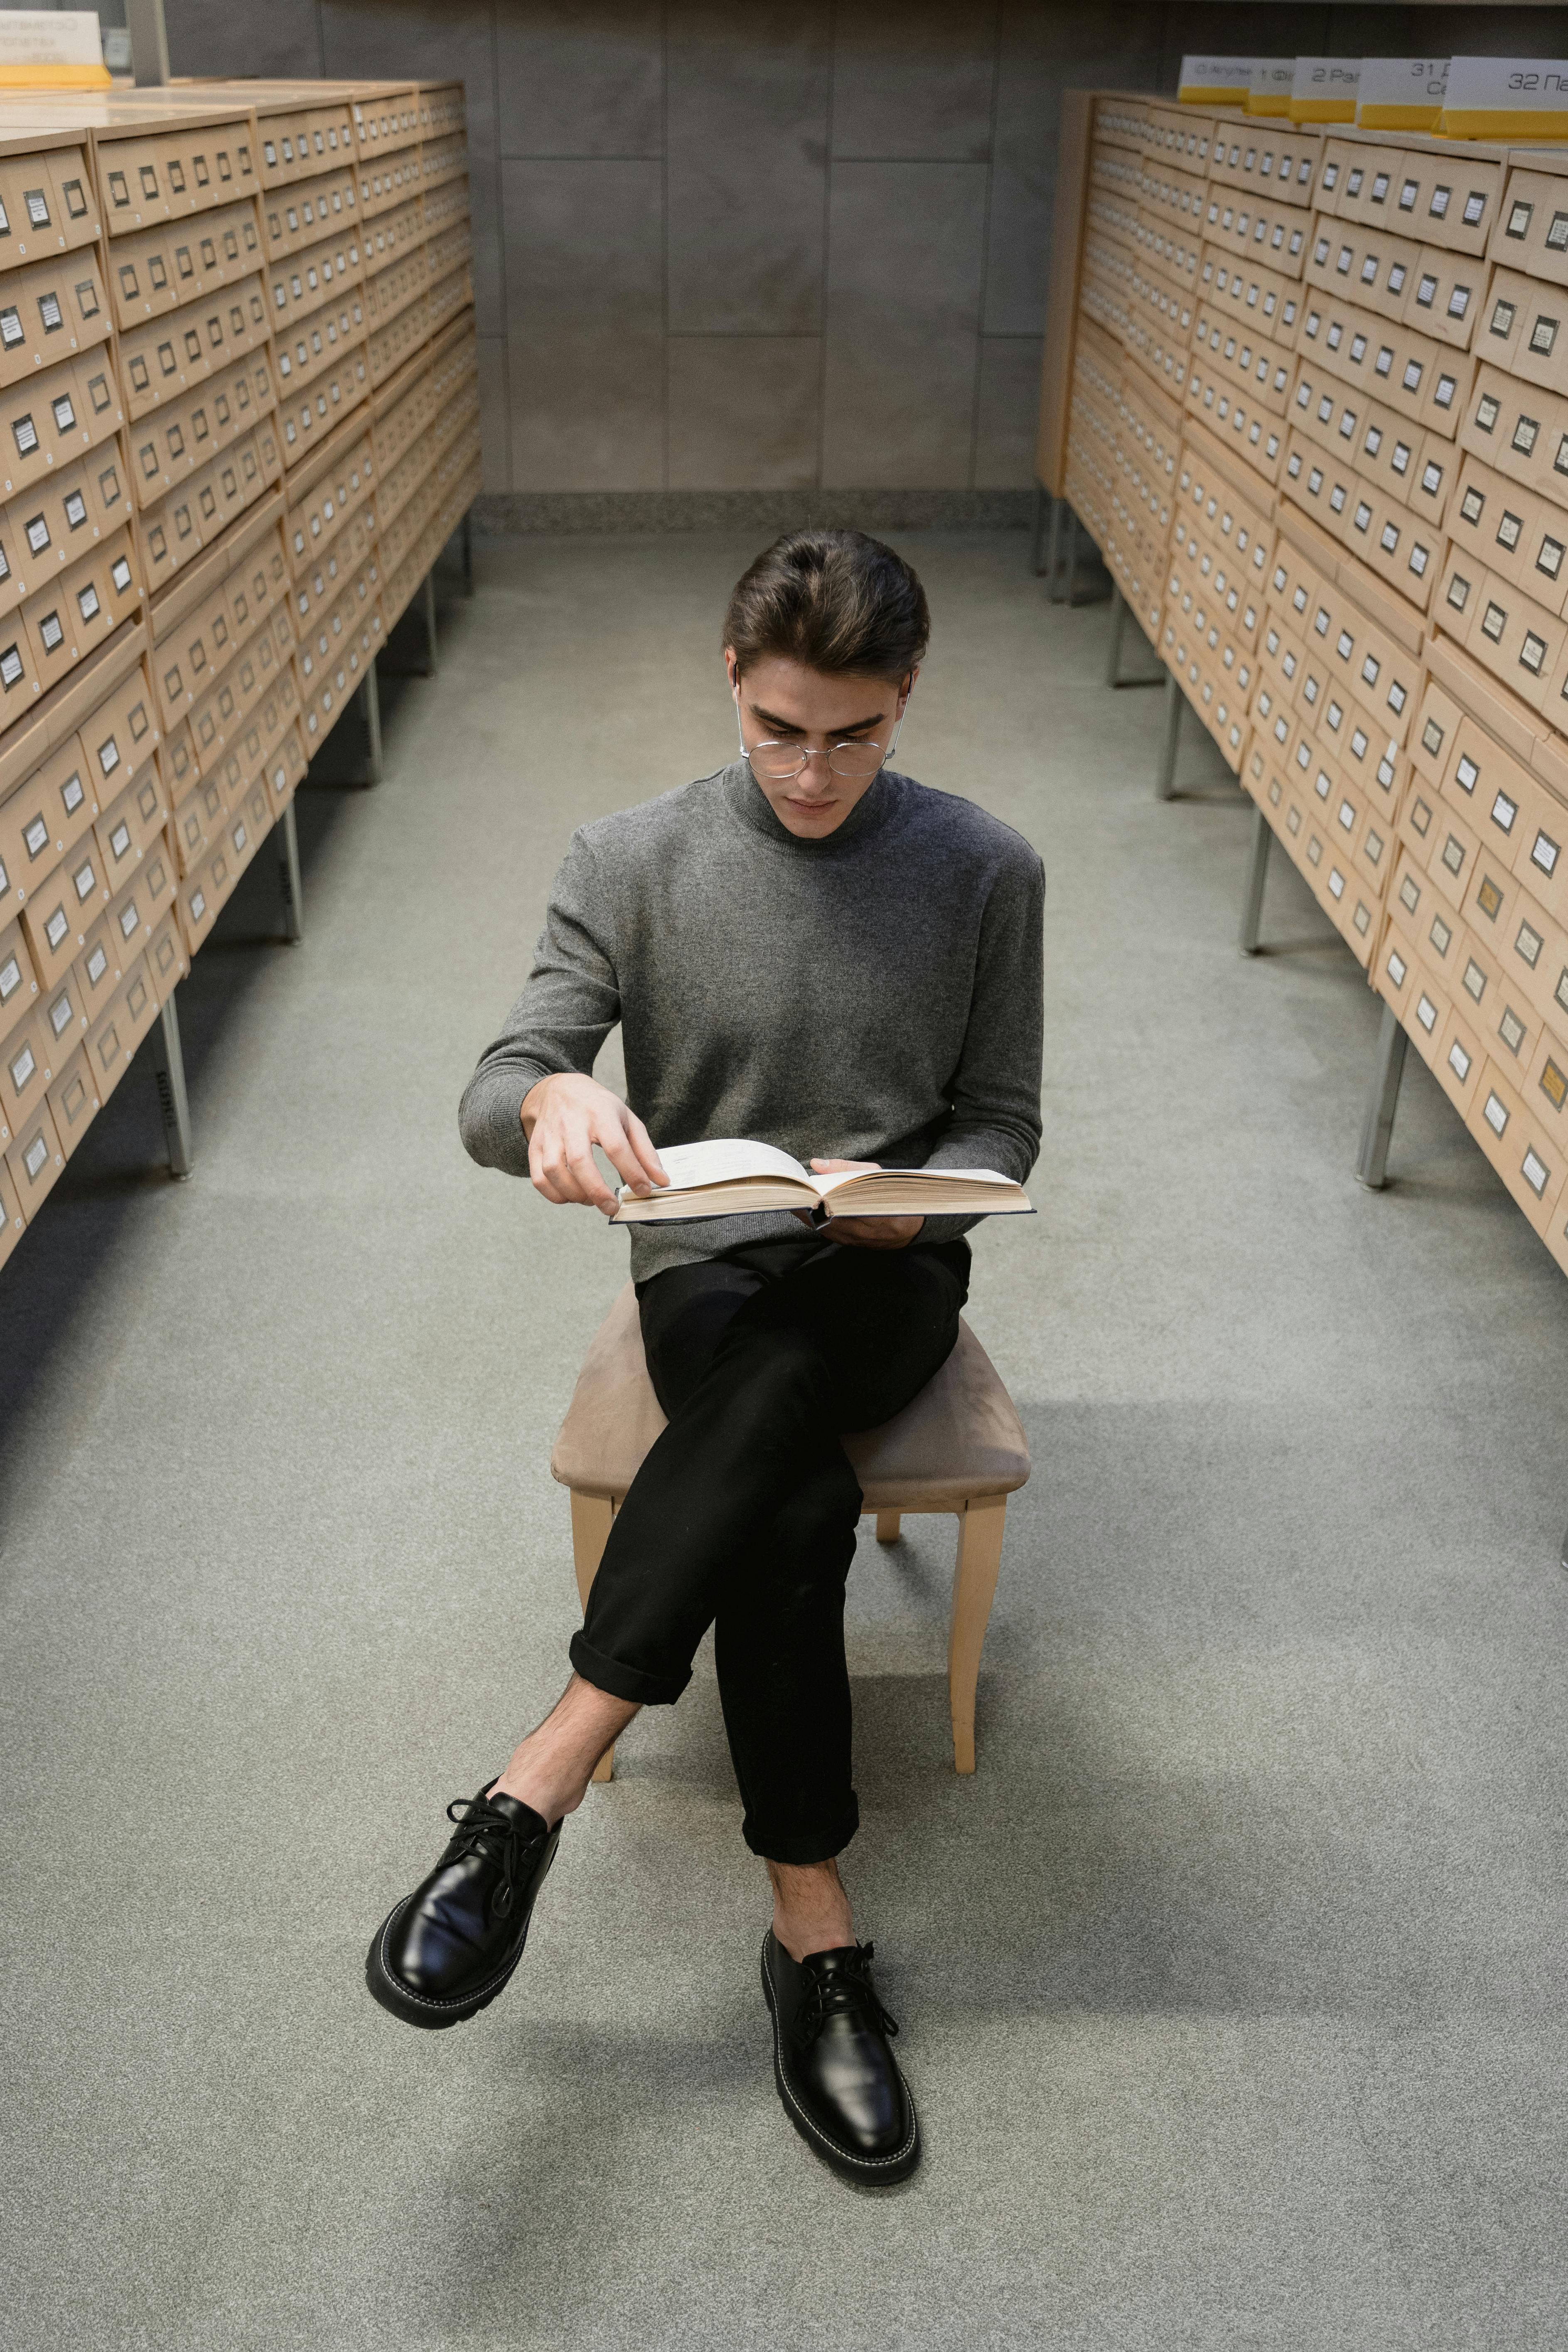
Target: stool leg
{"points": [[887, 1525], [974, 1589], [592, 1517]]}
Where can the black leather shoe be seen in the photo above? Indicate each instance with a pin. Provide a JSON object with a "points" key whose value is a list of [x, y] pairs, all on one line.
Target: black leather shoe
{"points": [[451, 1944], [838, 2080]]}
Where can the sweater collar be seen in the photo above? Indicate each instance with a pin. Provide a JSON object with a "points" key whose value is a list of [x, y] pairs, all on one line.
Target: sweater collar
{"points": [[747, 800]]}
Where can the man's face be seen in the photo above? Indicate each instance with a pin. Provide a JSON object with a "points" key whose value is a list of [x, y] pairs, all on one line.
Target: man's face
{"points": [[784, 702]]}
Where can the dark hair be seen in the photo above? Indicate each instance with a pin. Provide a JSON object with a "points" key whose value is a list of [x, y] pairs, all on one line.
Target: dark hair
{"points": [[834, 600]]}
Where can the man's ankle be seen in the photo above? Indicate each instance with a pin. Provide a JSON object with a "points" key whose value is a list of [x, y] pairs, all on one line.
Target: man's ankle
{"points": [[811, 1910], [801, 1937], [543, 1796]]}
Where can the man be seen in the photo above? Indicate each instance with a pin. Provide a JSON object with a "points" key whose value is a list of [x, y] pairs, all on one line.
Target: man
{"points": [[809, 951]]}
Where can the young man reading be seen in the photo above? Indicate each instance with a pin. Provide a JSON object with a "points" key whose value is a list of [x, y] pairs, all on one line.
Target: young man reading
{"points": [[809, 951]]}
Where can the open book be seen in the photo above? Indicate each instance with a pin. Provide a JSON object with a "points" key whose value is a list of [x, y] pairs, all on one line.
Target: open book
{"points": [[735, 1179]]}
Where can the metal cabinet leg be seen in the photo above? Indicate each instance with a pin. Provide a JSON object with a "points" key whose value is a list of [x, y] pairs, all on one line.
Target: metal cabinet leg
{"points": [[1164, 782], [1119, 609], [1077, 534], [287, 837], [1118, 615], [468, 551], [1081, 534], [370, 704], [1257, 875], [1037, 527], [1372, 1167], [1059, 508], [169, 1070], [427, 610]]}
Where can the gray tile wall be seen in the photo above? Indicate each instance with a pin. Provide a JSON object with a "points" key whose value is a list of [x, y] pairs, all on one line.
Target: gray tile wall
{"points": [[776, 245]]}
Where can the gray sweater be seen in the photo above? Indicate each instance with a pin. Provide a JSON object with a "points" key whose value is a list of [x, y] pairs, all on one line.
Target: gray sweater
{"points": [[874, 995]]}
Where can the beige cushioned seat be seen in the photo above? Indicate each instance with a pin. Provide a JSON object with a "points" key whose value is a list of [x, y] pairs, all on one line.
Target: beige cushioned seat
{"points": [[959, 1447]]}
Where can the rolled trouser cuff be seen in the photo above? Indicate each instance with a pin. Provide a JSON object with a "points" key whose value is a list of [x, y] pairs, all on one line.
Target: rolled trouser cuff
{"points": [[630, 1683], [803, 1846]]}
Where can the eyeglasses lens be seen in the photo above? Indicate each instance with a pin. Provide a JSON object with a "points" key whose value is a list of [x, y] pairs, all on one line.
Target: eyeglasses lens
{"points": [[776, 763]]}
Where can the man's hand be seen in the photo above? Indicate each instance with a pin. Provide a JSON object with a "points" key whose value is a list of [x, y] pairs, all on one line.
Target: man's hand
{"points": [[563, 1117], [862, 1233]]}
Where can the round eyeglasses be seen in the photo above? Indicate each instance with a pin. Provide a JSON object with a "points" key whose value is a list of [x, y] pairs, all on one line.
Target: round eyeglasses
{"points": [[776, 763]]}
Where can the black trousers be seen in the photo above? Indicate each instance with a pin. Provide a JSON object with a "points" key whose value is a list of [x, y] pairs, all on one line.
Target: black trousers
{"points": [[743, 1517]]}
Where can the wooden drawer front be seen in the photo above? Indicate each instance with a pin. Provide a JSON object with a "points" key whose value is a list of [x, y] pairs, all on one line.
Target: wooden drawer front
{"points": [[168, 356], [1415, 467], [49, 311], [454, 245], [121, 733], [351, 558], [448, 296], [1445, 200], [314, 346], [307, 417], [1534, 226], [300, 216], [45, 818], [223, 710], [51, 525], [46, 206], [192, 515], [316, 519], [1371, 267], [304, 281], [85, 605], [390, 180], [392, 234], [196, 823], [142, 901], [383, 124], [298, 145], [127, 829], [187, 433], [63, 909], [1421, 380], [392, 289], [168, 176], [445, 159], [53, 419], [187, 660], [449, 203], [158, 269]]}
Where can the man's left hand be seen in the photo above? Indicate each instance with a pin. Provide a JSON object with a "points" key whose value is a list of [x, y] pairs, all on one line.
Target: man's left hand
{"points": [[862, 1233]]}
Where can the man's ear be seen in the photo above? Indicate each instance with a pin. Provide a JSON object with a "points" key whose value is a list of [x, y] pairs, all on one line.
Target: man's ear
{"points": [[906, 689], [732, 672]]}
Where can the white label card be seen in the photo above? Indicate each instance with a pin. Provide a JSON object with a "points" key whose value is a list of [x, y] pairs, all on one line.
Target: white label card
{"points": [[47, 36], [1403, 82], [1220, 73], [1326, 78], [1527, 85]]}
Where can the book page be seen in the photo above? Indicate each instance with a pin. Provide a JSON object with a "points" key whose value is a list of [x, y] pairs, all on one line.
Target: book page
{"points": [[721, 1162], [826, 1184]]}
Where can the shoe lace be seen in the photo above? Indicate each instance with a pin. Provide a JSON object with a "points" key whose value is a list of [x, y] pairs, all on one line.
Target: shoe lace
{"points": [[837, 1993], [484, 1829]]}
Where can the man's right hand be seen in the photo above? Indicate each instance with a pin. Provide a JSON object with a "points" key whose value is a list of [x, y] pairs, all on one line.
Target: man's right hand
{"points": [[563, 1117]]}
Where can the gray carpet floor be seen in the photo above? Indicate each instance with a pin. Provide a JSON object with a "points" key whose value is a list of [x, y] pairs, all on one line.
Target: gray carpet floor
{"points": [[1232, 1984]]}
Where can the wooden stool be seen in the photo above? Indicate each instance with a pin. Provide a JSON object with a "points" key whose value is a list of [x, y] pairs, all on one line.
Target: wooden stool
{"points": [[959, 1448]]}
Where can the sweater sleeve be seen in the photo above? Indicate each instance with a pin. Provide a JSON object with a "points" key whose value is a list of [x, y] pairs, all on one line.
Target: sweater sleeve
{"points": [[995, 1090], [569, 1005]]}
